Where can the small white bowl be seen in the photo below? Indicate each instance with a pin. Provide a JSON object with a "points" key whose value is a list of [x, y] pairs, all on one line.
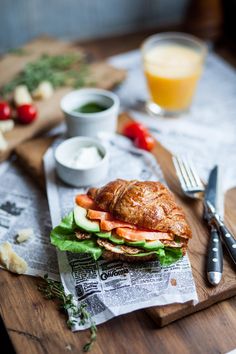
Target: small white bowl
{"points": [[89, 124], [80, 177]]}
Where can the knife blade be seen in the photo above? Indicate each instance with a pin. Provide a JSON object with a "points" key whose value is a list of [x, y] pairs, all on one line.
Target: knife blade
{"points": [[214, 254]]}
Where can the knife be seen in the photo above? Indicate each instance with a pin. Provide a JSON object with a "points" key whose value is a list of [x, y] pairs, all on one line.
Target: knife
{"points": [[215, 254], [226, 235]]}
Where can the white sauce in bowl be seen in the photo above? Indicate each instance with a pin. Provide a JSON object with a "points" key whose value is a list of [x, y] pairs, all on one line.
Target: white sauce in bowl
{"points": [[85, 157]]}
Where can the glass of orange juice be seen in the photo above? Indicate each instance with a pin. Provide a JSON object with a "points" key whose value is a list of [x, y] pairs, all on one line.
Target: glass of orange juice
{"points": [[173, 64]]}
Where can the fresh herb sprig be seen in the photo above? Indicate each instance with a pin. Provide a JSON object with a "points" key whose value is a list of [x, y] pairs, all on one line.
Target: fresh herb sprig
{"points": [[53, 290], [61, 70], [18, 51]]}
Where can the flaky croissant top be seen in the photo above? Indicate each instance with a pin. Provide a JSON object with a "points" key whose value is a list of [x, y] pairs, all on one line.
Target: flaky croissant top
{"points": [[149, 205]]}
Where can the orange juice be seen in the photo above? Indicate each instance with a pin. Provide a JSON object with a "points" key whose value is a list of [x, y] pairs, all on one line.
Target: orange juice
{"points": [[172, 72]]}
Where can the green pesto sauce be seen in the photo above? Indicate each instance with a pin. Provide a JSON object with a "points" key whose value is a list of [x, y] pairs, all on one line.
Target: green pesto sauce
{"points": [[91, 107]]}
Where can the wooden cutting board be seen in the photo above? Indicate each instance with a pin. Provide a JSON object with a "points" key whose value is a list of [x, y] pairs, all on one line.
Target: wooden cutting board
{"points": [[207, 294], [101, 74]]}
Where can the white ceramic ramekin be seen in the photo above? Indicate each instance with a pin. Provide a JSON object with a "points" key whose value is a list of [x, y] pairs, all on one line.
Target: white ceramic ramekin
{"points": [[89, 124], [80, 177]]}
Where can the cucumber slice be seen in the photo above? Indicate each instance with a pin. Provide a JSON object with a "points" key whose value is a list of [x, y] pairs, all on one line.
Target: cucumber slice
{"points": [[140, 243], [153, 245], [117, 240], [147, 245], [110, 237], [104, 234], [83, 222]]}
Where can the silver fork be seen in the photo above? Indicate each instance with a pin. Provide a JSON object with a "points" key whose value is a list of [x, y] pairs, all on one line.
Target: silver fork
{"points": [[191, 183]]}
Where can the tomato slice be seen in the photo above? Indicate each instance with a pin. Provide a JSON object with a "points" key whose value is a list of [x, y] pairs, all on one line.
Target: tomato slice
{"points": [[85, 202], [108, 225], [139, 235], [98, 215]]}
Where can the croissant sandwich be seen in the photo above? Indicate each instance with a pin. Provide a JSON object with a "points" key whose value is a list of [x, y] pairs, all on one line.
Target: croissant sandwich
{"points": [[125, 220]]}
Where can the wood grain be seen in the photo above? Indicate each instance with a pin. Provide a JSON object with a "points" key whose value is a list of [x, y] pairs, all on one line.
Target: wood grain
{"points": [[101, 74], [33, 162]]}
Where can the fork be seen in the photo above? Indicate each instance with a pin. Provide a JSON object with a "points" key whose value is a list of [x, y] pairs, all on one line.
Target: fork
{"points": [[193, 187], [190, 182]]}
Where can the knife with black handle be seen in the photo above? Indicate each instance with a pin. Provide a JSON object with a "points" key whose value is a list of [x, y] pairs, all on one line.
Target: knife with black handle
{"points": [[227, 237], [214, 257], [214, 254]]}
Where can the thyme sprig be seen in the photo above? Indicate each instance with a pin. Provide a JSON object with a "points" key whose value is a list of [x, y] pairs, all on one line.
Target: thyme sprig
{"points": [[68, 69], [53, 290], [18, 51]]}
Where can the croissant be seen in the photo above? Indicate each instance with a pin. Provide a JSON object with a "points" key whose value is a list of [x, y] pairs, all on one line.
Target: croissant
{"points": [[148, 205]]}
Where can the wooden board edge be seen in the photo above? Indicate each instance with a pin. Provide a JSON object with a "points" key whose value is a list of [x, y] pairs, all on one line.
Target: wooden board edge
{"points": [[188, 309]]}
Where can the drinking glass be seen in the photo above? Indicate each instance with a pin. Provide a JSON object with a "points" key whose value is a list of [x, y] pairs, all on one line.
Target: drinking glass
{"points": [[173, 64]]}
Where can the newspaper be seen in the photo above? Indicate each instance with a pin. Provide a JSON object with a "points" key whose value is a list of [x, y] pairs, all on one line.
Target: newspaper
{"points": [[113, 288], [23, 205], [207, 133]]}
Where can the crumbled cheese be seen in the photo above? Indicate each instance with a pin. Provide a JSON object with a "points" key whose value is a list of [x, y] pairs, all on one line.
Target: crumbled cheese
{"points": [[6, 125], [43, 91], [10, 259], [24, 235], [3, 142], [22, 95]]}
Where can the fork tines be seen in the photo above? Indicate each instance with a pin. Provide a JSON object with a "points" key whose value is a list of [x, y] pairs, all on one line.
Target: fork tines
{"points": [[188, 177]]}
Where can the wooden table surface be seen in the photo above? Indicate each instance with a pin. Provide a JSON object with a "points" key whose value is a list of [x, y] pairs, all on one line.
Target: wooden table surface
{"points": [[35, 326]]}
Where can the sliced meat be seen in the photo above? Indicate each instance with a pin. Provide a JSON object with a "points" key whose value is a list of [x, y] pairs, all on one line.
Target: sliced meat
{"points": [[82, 235], [173, 244], [130, 250], [121, 249], [109, 246], [110, 256]]}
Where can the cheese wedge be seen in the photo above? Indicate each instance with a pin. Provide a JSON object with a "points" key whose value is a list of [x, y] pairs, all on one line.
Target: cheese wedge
{"points": [[11, 260]]}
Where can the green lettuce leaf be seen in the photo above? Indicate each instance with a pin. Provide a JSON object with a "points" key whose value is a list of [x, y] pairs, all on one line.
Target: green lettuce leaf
{"points": [[166, 256], [171, 255], [63, 237]]}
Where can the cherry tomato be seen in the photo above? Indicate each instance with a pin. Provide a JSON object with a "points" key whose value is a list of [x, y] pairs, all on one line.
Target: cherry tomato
{"points": [[145, 142], [134, 129], [5, 110], [26, 113]]}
